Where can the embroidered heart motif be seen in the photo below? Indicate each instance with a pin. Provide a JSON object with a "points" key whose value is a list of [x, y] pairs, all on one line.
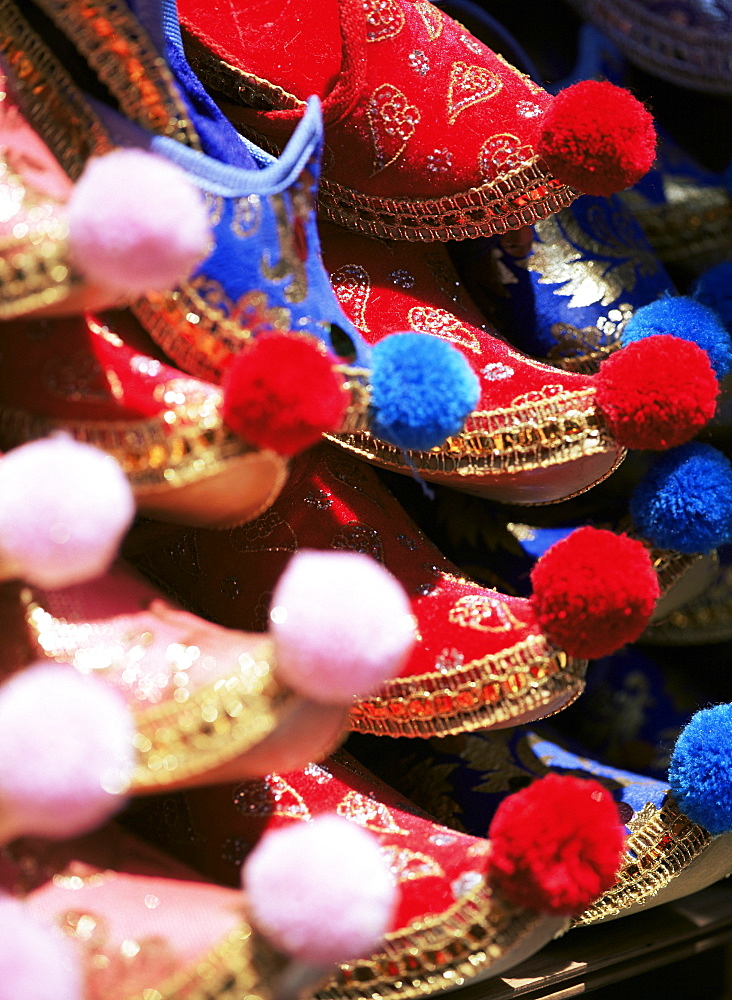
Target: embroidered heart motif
{"points": [[384, 19], [392, 120], [357, 537], [500, 154], [469, 85], [366, 812], [440, 323], [432, 18], [407, 865], [352, 286], [484, 614], [268, 533]]}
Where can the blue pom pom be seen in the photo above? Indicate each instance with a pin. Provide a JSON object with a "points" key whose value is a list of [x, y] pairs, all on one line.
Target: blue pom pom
{"points": [[700, 773], [422, 389], [714, 289], [684, 502], [686, 318]]}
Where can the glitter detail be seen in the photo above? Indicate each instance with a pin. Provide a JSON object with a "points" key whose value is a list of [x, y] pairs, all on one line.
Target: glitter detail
{"points": [[442, 839], [441, 323], [419, 62], [373, 815], [319, 773], [392, 120], [425, 588], [501, 154], [439, 161], [473, 44], [356, 537], [270, 796], [234, 849], [352, 286], [466, 883], [407, 542], [448, 660], [318, 499], [496, 371], [402, 278], [407, 865], [432, 18], [470, 85], [528, 109], [230, 588]]}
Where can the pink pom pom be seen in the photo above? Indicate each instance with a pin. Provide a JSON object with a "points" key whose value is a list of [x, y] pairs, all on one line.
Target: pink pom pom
{"points": [[136, 223], [66, 751], [64, 508], [36, 962], [341, 623], [320, 891]]}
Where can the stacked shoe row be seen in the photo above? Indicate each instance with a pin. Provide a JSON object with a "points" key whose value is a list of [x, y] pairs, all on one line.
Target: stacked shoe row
{"points": [[225, 382]]}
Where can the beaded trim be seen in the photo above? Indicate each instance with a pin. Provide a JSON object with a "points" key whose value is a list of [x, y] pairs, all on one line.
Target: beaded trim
{"points": [[184, 444], [49, 98], [521, 197], [691, 57], [124, 58], [240, 965], [662, 844], [439, 952], [34, 269], [550, 428], [700, 224], [525, 678]]}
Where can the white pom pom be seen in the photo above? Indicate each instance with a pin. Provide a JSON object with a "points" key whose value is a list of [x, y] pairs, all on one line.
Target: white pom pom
{"points": [[341, 623], [66, 751], [136, 223], [321, 891], [36, 963], [64, 509]]}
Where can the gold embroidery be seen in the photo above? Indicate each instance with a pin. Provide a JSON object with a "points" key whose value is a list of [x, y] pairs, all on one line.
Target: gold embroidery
{"points": [[385, 19], [432, 18], [214, 207], [407, 865], [368, 813], [484, 613], [392, 120], [440, 323], [469, 85], [584, 349], [352, 286], [595, 266], [247, 216], [501, 154]]}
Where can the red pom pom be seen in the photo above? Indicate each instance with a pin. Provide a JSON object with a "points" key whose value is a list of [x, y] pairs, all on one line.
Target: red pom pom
{"points": [[556, 845], [657, 393], [597, 137], [281, 392], [594, 591]]}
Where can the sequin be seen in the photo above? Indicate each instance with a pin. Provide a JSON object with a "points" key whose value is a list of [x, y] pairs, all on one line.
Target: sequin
{"points": [[385, 19], [373, 815], [352, 286], [528, 109], [392, 120], [439, 161], [402, 278], [448, 660], [469, 85], [465, 883], [496, 371], [441, 323], [419, 62], [407, 865], [442, 839], [321, 775]]}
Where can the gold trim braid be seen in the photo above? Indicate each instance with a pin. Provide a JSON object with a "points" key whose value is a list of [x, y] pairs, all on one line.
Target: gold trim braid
{"points": [[525, 678], [438, 952], [663, 842]]}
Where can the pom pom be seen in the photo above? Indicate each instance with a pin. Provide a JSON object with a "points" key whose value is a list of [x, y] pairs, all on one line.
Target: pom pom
{"points": [[320, 891], [64, 509], [656, 393], [37, 962], [66, 751], [597, 137], [714, 289], [683, 317], [282, 392], [422, 389], [136, 223], [556, 845], [341, 623], [594, 591], [684, 502], [700, 773]]}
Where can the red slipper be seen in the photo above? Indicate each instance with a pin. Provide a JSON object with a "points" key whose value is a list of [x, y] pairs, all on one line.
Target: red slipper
{"points": [[481, 658], [431, 134], [457, 920], [101, 380], [538, 434]]}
